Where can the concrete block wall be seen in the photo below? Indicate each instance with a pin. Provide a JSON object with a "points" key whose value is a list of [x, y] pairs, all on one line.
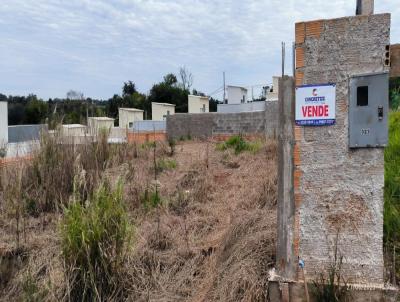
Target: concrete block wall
{"points": [[338, 192], [204, 125]]}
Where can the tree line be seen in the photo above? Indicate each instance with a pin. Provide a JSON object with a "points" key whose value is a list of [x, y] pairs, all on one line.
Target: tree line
{"points": [[75, 107]]}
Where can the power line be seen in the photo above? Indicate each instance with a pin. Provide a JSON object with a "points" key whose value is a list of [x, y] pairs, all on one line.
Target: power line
{"points": [[216, 91]]}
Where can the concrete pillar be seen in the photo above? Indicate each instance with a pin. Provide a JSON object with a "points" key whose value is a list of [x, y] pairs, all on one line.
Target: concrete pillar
{"points": [[3, 123], [286, 258], [365, 7]]}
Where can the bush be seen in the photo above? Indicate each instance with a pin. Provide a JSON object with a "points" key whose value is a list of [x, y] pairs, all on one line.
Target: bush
{"points": [[95, 238], [332, 288], [391, 214], [165, 164], [151, 199], [239, 144]]}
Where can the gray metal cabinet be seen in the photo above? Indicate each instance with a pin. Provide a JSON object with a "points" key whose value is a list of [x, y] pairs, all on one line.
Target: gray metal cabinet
{"points": [[368, 110]]}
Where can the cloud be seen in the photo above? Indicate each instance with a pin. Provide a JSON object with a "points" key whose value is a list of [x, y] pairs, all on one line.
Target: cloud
{"points": [[51, 46]]}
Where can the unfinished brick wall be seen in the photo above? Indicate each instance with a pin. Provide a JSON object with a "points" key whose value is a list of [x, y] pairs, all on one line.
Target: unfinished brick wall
{"points": [[338, 191], [395, 60], [146, 137]]}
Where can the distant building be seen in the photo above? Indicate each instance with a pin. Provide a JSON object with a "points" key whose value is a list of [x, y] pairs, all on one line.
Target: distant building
{"points": [[198, 104], [161, 110], [72, 130], [128, 116], [236, 95], [97, 123], [3, 123], [273, 92]]}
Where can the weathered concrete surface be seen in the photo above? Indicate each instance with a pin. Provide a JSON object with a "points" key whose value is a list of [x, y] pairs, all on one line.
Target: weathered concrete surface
{"points": [[203, 125], [338, 191], [297, 293], [286, 259], [365, 7]]}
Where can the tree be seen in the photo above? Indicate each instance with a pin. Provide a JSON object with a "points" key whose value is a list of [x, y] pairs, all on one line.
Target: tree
{"points": [[168, 92], [186, 78], [129, 88], [199, 93], [75, 95], [170, 79], [36, 110]]}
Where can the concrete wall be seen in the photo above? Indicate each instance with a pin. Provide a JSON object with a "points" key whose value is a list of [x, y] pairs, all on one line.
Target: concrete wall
{"points": [[23, 133], [365, 7], [148, 126], [395, 60], [3, 123], [198, 104], [338, 191], [236, 108], [127, 117], [159, 111], [209, 124]]}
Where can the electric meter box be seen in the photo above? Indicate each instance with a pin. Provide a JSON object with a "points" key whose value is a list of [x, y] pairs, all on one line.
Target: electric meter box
{"points": [[368, 110]]}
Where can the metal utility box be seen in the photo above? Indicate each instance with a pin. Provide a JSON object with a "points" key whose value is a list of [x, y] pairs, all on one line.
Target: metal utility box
{"points": [[368, 110]]}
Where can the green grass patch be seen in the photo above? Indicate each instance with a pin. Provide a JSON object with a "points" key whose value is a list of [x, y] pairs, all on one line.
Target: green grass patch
{"points": [[166, 164], [151, 200], [95, 236], [239, 145]]}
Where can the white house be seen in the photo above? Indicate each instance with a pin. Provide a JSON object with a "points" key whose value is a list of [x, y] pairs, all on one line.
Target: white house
{"points": [[236, 95], [3, 123], [161, 110], [72, 130], [273, 93], [97, 123], [198, 104], [128, 116]]}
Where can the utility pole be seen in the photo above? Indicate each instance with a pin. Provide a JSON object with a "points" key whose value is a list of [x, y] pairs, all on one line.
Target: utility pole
{"points": [[223, 75], [283, 58]]}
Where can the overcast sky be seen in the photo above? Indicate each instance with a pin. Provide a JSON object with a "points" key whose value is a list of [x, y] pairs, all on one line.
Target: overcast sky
{"points": [[48, 47]]}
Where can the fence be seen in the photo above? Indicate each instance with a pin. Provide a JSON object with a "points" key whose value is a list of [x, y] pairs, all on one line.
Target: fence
{"points": [[23, 133]]}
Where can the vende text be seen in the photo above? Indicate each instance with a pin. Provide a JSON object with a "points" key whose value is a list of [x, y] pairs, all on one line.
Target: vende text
{"points": [[315, 111]]}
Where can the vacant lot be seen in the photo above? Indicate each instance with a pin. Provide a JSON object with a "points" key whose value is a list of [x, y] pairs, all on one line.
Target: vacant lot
{"points": [[202, 226]]}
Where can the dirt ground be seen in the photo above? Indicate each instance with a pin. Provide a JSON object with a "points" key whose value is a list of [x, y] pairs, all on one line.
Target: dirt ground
{"points": [[211, 239]]}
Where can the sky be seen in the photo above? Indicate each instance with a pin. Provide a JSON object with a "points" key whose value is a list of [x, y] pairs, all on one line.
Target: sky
{"points": [[48, 47]]}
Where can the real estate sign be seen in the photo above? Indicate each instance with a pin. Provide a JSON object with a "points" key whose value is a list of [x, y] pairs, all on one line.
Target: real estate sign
{"points": [[315, 105]]}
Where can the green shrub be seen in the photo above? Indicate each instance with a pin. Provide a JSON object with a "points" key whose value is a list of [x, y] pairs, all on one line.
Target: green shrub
{"points": [[151, 200], [148, 145], [239, 144], [172, 145], [392, 179], [333, 287], [31, 291], [95, 237], [165, 164], [391, 218]]}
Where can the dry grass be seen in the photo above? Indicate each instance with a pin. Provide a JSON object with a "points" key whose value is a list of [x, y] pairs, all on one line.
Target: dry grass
{"points": [[211, 239]]}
